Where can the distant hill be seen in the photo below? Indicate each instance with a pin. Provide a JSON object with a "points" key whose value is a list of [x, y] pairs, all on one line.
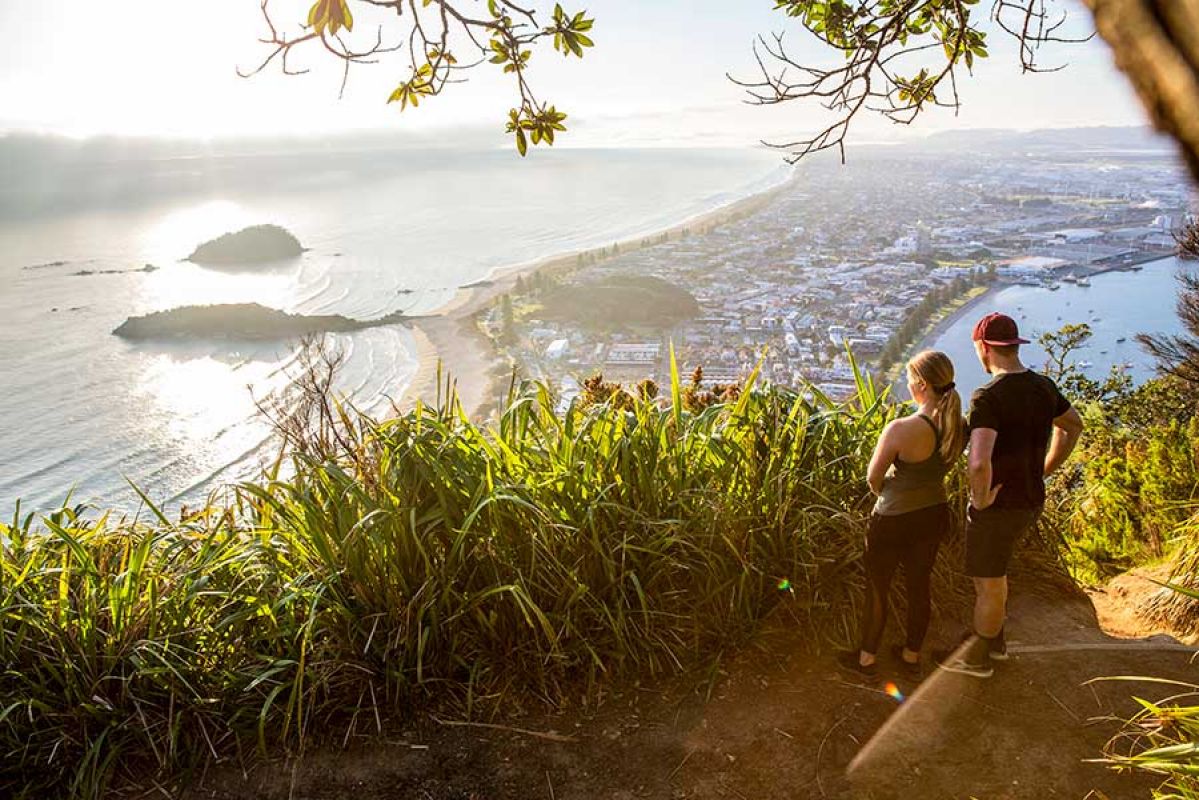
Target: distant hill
{"points": [[1098, 138], [240, 321], [254, 245], [621, 300]]}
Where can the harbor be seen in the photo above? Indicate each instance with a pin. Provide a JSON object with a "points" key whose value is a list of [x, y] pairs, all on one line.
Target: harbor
{"points": [[1116, 304]]}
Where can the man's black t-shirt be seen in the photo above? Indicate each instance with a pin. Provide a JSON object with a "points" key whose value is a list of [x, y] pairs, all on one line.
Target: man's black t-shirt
{"points": [[1020, 407]]}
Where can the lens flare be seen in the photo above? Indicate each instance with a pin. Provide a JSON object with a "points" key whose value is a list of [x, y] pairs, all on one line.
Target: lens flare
{"points": [[784, 585], [893, 692]]}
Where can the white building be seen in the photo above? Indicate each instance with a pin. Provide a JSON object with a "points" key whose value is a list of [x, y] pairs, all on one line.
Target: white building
{"points": [[1029, 267], [633, 354]]}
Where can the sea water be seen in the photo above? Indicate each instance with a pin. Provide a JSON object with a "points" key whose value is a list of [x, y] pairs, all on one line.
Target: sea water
{"points": [[1117, 306], [85, 411]]}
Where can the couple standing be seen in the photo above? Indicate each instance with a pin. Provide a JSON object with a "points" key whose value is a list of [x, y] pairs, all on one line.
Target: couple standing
{"points": [[1019, 430]]}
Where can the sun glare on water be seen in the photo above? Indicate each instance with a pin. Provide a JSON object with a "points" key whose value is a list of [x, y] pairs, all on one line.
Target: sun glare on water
{"points": [[178, 282], [201, 398], [178, 233]]}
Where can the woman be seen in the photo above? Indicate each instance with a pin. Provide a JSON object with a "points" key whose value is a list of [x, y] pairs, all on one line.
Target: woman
{"points": [[907, 472]]}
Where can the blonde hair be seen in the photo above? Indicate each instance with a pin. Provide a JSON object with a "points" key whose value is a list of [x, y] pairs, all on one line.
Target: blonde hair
{"points": [[935, 370]]}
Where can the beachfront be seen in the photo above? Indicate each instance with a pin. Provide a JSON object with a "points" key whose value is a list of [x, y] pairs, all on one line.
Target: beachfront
{"points": [[838, 257]]}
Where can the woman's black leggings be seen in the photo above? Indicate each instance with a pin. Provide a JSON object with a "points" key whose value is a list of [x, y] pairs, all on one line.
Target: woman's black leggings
{"points": [[910, 539]]}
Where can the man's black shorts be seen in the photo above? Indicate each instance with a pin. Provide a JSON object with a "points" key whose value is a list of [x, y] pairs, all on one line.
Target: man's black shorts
{"points": [[991, 535]]}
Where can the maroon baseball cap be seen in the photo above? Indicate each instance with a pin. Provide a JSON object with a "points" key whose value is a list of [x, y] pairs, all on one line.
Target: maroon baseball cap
{"points": [[998, 329]]}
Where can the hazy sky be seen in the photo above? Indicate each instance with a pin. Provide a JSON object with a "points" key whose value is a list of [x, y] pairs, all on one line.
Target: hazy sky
{"points": [[655, 76]]}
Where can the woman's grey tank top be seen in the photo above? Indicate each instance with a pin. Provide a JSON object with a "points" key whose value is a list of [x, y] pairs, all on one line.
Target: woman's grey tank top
{"points": [[913, 486]]}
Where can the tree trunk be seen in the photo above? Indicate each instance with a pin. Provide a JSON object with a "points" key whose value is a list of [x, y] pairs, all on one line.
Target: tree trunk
{"points": [[1156, 44]]}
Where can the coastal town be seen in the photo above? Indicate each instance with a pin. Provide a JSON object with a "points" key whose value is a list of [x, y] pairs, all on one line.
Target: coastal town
{"points": [[845, 258]]}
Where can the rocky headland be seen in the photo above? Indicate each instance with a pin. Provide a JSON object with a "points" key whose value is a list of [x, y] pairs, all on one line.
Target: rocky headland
{"points": [[241, 321]]}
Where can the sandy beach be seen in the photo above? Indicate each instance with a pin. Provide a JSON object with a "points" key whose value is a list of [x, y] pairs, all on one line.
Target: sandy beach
{"points": [[452, 338]]}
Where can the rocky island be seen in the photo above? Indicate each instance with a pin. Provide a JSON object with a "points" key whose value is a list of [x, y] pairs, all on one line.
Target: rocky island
{"points": [[241, 321], [254, 245]]}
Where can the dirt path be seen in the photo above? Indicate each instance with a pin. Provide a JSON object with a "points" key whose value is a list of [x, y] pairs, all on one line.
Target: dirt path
{"points": [[780, 723]]}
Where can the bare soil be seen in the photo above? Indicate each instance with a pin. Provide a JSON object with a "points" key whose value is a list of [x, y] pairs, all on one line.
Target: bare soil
{"points": [[1136, 604], [779, 721]]}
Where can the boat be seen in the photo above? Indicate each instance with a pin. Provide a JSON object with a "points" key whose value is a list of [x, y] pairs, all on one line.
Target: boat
{"points": [[1122, 340], [1083, 281], [1085, 365], [1069, 277], [1053, 287]]}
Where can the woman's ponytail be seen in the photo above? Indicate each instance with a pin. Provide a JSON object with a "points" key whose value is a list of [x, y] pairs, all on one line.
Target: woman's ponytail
{"points": [[949, 421], [935, 370]]}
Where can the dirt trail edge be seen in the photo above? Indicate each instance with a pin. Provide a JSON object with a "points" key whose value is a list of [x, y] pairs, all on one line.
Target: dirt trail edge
{"points": [[779, 722]]}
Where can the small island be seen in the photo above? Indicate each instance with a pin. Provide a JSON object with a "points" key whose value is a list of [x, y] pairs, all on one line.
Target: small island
{"points": [[254, 245], [241, 321]]}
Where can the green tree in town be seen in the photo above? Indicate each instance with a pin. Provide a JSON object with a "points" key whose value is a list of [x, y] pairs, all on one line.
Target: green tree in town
{"points": [[507, 320]]}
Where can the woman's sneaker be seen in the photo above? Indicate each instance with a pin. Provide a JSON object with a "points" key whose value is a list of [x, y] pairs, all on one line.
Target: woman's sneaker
{"points": [[850, 661], [906, 668]]}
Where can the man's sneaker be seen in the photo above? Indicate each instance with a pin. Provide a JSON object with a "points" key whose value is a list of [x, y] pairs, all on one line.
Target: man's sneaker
{"points": [[971, 658], [996, 648], [849, 660], [963, 666]]}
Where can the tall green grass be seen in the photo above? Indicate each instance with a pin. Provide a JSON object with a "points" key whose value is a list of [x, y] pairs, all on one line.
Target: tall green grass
{"points": [[424, 560], [1163, 737]]}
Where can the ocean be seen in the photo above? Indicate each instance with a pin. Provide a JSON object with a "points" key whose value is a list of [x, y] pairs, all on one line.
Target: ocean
{"points": [[1117, 306], [85, 412]]}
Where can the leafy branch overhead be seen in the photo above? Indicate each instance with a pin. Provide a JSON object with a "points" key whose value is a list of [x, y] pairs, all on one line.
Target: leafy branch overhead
{"points": [[429, 36], [900, 57], [894, 58]]}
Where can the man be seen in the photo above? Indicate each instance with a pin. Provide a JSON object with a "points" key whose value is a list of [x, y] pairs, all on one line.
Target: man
{"points": [[1021, 430]]}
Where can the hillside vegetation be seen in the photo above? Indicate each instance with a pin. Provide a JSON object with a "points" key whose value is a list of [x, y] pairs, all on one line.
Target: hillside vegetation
{"points": [[418, 560], [424, 561], [621, 301]]}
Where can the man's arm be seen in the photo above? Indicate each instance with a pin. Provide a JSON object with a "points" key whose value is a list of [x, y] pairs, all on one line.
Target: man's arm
{"points": [[982, 445], [884, 456], [1067, 429]]}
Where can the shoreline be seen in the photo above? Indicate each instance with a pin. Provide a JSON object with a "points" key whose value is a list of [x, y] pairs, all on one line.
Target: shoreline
{"points": [[943, 325], [934, 333], [450, 335]]}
